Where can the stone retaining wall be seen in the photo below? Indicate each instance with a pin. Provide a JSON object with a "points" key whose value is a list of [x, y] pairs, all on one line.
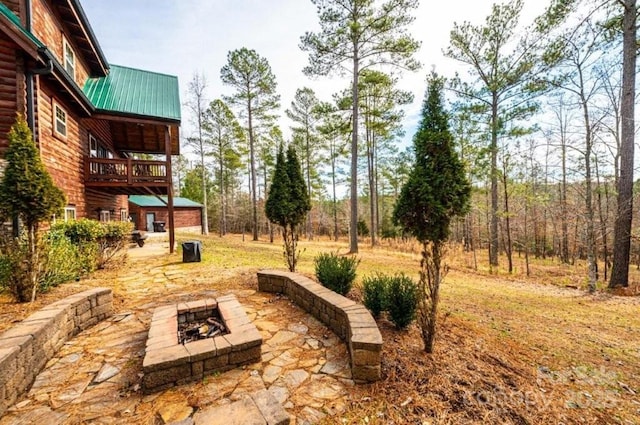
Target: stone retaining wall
{"points": [[349, 320], [28, 346]]}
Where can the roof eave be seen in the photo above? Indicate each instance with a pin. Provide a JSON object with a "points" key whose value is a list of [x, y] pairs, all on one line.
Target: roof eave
{"points": [[131, 117], [84, 22], [18, 35]]}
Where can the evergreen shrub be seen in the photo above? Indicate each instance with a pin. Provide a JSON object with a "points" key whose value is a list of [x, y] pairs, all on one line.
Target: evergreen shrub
{"points": [[402, 300], [336, 272], [363, 228], [375, 290]]}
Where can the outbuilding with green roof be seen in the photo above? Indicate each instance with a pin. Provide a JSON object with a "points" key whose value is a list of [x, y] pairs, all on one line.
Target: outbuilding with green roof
{"points": [[150, 213]]}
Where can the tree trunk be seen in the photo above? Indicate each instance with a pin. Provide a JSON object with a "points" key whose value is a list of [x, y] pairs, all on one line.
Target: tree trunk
{"points": [[223, 203], [622, 229], [493, 148], [252, 172], [266, 196], [508, 244], [526, 237], [33, 262], [335, 199], [564, 239], [591, 243], [309, 223], [430, 279], [603, 223], [372, 188], [353, 222], [205, 212]]}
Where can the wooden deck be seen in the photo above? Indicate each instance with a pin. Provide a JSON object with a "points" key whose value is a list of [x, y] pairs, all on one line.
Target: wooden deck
{"points": [[126, 175]]}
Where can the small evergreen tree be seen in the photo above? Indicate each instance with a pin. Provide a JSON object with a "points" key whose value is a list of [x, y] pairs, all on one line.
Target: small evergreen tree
{"points": [[28, 192], [288, 202], [436, 191]]}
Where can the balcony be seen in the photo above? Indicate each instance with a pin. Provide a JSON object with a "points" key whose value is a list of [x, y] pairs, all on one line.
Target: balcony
{"points": [[126, 175]]}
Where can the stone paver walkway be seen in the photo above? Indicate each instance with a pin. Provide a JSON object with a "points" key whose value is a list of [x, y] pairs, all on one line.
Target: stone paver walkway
{"points": [[95, 377]]}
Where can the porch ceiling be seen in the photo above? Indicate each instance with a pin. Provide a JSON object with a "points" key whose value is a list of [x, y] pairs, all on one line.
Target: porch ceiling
{"points": [[143, 137]]}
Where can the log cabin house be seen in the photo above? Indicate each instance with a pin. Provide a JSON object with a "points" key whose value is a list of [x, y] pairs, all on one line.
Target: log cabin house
{"points": [[90, 119]]}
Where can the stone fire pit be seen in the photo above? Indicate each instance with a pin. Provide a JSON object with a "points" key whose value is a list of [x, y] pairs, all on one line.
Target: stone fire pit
{"points": [[168, 363]]}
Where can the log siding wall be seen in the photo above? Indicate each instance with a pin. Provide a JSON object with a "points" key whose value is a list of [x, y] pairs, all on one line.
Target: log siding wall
{"points": [[47, 26], [64, 157], [8, 89]]}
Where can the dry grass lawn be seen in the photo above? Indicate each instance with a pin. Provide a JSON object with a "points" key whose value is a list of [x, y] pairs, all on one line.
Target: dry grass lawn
{"points": [[511, 349]]}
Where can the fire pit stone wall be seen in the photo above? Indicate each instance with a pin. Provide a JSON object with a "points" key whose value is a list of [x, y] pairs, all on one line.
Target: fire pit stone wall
{"points": [[168, 363]]}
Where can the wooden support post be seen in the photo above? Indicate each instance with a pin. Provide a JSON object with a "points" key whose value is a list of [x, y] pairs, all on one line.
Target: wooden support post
{"points": [[129, 171], [167, 146]]}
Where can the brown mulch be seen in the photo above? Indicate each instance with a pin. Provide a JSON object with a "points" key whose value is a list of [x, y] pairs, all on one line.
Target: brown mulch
{"points": [[471, 378]]}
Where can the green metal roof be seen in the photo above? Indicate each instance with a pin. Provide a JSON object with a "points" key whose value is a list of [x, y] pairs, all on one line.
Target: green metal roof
{"points": [[137, 92], [153, 201], [8, 13]]}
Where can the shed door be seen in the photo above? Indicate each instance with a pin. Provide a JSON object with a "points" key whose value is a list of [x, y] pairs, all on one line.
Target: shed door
{"points": [[151, 217]]}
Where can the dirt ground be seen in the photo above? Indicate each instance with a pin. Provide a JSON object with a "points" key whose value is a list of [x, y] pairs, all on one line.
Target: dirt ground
{"points": [[510, 349]]}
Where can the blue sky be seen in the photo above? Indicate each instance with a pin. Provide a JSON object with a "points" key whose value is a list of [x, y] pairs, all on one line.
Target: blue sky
{"points": [[180, 37]]}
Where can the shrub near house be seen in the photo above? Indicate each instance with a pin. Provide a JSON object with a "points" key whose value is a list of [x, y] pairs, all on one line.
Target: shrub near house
{"points": [[28, 193], [68, 251]]}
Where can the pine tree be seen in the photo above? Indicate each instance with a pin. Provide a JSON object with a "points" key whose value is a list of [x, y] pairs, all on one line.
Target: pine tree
{"points": [[28, 192], [437, 191], [255, 93], [288, 202], [360, 34]]}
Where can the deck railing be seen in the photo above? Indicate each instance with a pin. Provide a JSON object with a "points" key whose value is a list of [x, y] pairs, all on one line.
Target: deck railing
{"points": [[125, 171]]}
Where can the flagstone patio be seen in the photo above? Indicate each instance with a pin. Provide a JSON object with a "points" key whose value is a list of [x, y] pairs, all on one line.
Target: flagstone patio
{"points": [[96, 377]]}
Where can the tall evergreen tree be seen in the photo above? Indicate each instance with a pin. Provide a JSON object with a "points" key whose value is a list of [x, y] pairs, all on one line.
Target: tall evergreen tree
{"points": [[334, 130], [251, 76], [502, 63], [379, 102], [223, 132], [27, 191], [197, 105], [288, 202], [302, 113], [436, 192], [365, 33], [622, 232]]}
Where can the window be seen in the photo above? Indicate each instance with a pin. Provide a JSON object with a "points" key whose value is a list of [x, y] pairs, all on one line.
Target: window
{"points": [[93, 152], [105, 215], [103, 152], [123, 214], [59, 120], [69, 213], [97, 149], [93, 146], [69, 58]]}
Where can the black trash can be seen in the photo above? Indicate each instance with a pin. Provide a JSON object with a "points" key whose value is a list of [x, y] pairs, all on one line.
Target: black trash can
{"points": [[191, 251], [158, 226]]}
